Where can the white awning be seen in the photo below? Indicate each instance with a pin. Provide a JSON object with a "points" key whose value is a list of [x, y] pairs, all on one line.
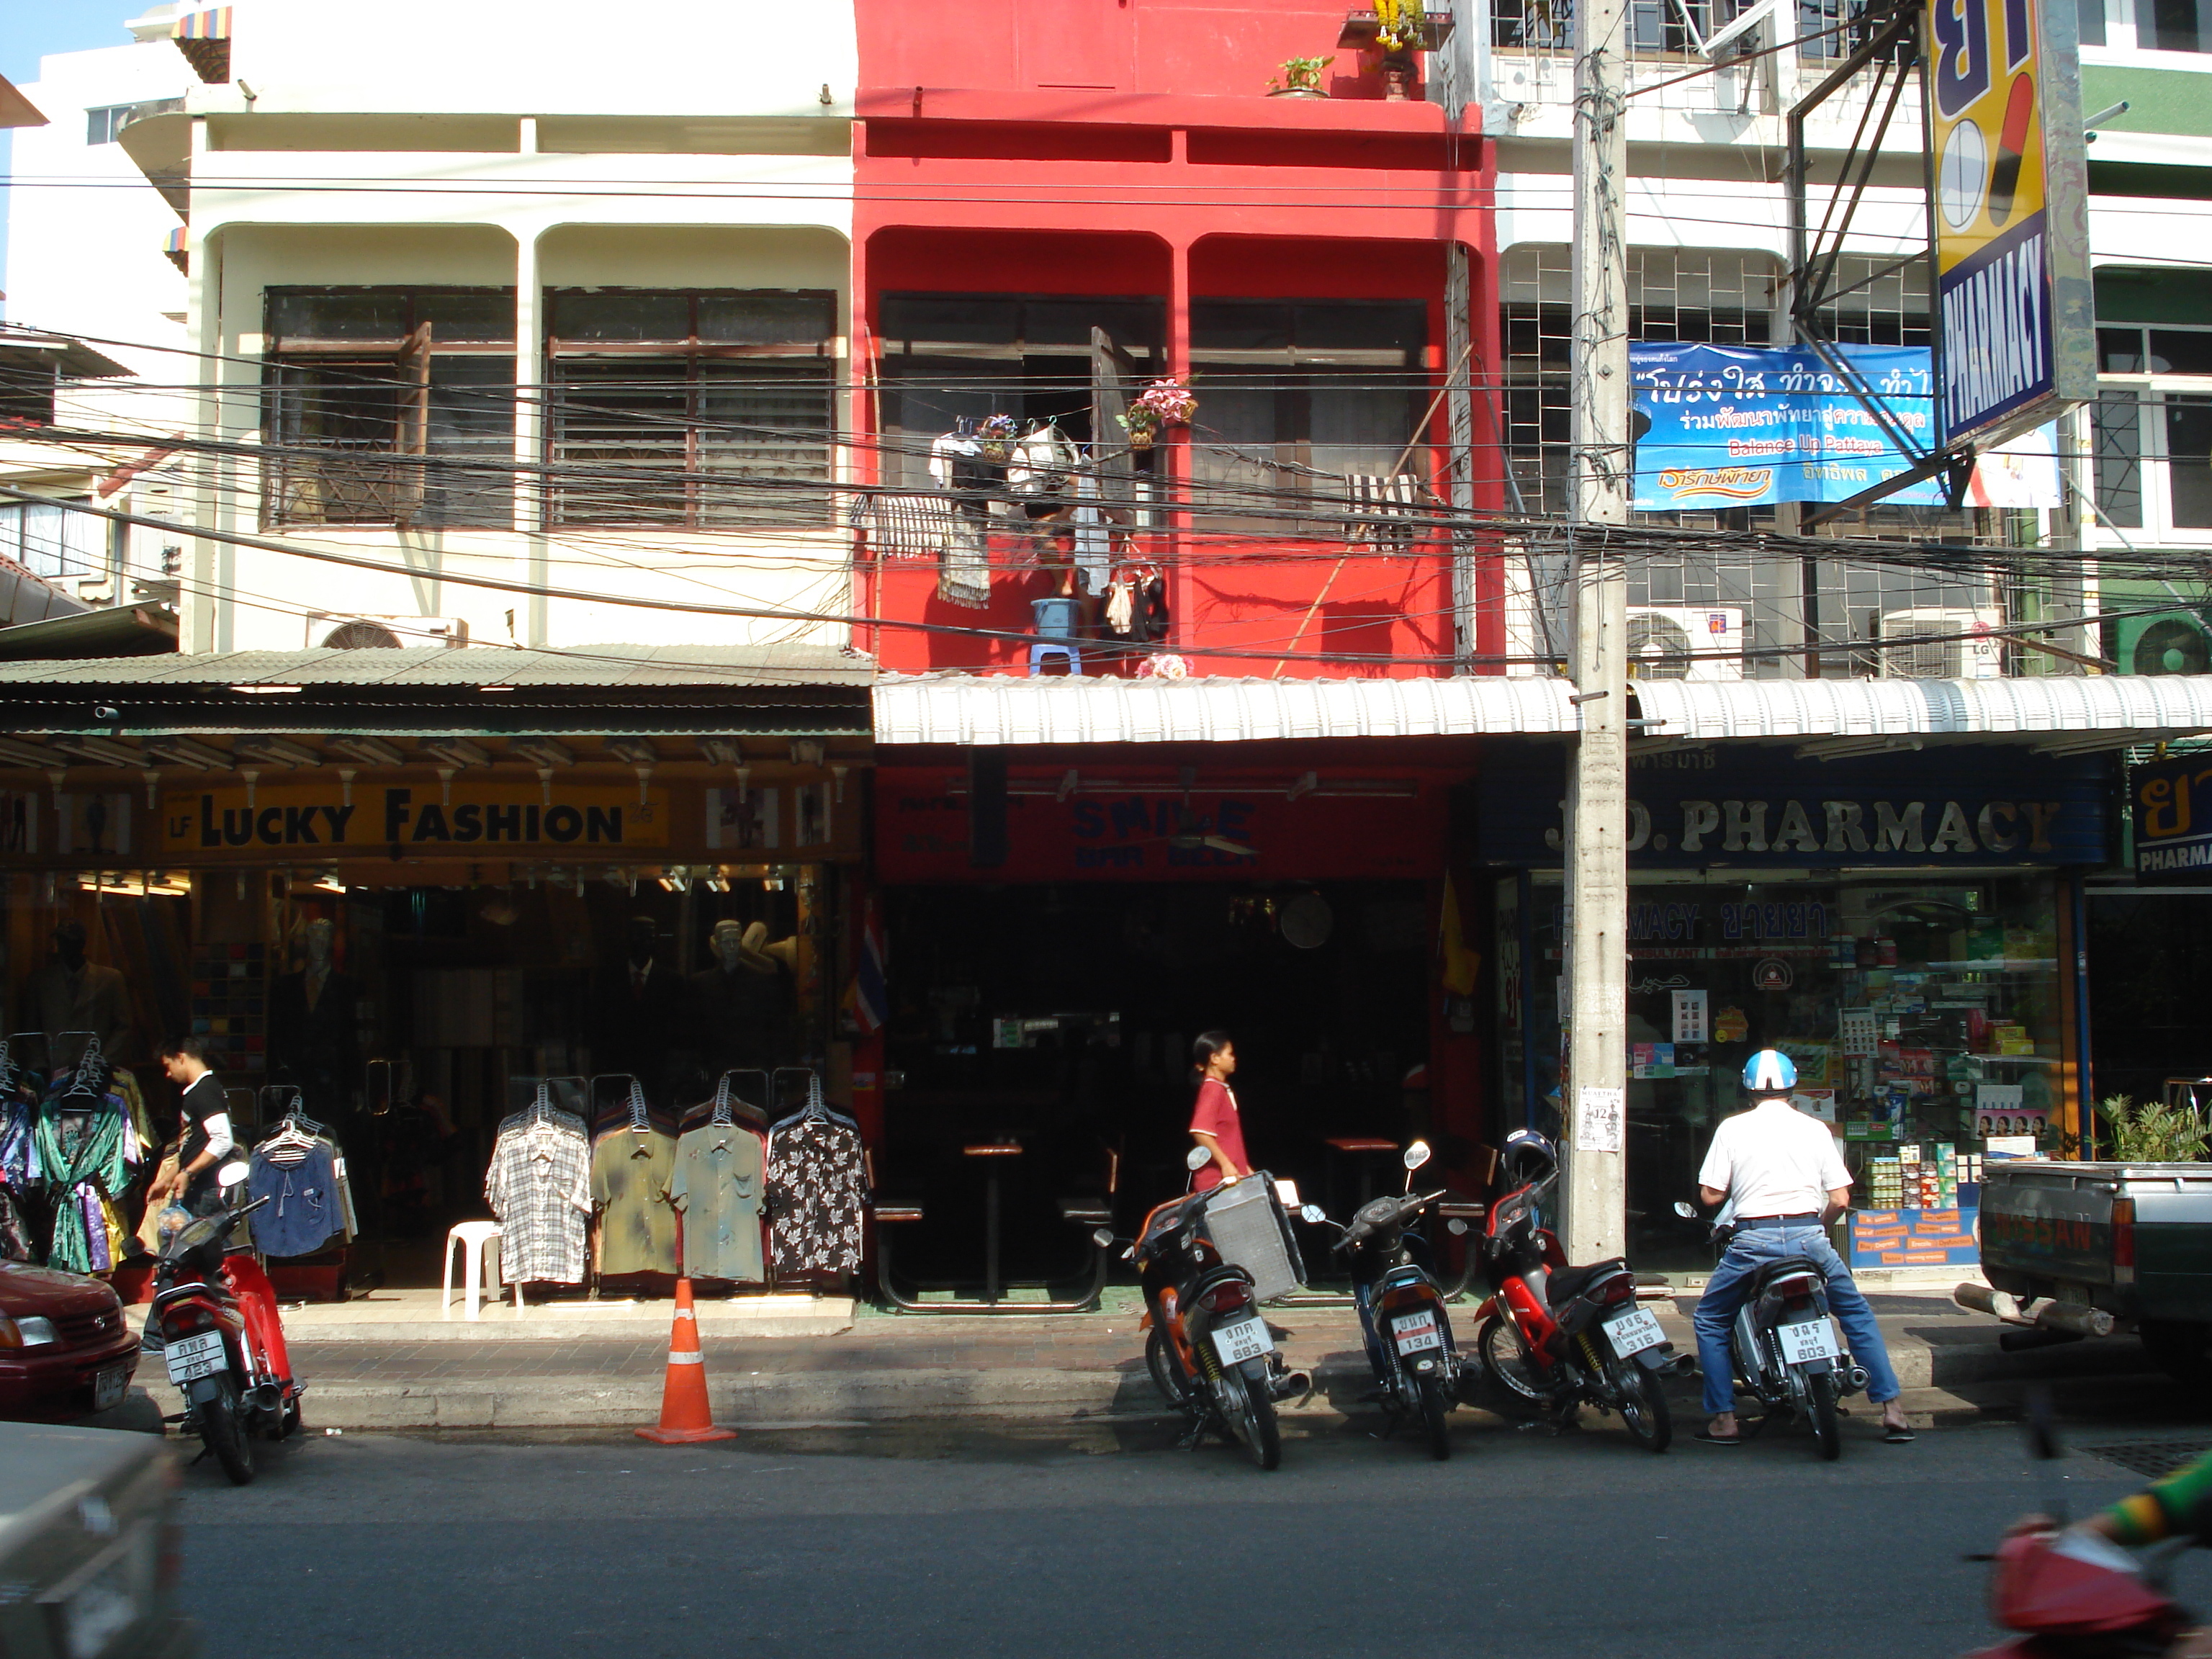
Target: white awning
{"points": [[1002, 710], [1005, 710]]}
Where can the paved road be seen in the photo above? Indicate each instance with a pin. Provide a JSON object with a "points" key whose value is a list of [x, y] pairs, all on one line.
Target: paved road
{"points": [[1104, 1541]]}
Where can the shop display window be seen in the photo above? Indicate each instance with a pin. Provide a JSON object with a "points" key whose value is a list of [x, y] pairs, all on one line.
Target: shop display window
{"points": [[1922, 1016]]}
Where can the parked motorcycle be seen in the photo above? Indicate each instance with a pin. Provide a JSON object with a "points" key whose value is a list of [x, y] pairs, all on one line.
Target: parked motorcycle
{"points": [[224, 1341], [1419, 1372], [1787, 1352], [1553, 1338], [1209, 1350]]}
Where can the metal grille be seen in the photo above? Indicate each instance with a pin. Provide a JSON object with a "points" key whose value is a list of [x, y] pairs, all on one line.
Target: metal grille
{"points": [[1247, 1228], [2152, 1459], [1826, 616]]}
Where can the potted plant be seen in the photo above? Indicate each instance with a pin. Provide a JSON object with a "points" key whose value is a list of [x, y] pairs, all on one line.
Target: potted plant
{"points": [[1163, 403], [996, 435], [1301, 78]]}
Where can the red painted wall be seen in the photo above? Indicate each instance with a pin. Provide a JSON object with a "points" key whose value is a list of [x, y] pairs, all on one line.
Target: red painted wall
{"points": [[1125, 147]]}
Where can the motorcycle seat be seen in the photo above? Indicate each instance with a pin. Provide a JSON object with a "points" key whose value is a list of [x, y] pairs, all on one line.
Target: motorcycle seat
{"points": [[1783, 1268], [1567, 1284]]}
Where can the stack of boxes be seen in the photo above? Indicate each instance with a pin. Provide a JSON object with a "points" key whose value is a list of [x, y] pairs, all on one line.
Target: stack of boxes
{"points": [[1928, 1177], [1884, 1184]]}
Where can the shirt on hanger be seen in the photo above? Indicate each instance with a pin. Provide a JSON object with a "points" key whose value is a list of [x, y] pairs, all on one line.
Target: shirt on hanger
{"points": [[304, 1211], [718, 1186], [629, 1188], [816, 1189], [539, 1187]]}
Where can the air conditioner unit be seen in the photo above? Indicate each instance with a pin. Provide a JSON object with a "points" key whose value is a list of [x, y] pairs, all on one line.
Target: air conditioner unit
{"points": [[2175, 643], [346, 631], [1685, 642], [1942, 658]]}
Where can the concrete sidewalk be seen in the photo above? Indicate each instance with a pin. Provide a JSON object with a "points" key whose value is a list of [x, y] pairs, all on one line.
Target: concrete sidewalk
{"points": [[876, 1367]]}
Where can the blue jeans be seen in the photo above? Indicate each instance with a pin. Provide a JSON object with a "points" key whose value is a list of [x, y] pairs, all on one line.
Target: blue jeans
{"points": [[1752, 1249]]}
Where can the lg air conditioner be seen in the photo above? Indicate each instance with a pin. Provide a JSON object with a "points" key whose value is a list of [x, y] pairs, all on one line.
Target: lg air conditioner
{"points": [[1685, 642], [346, 631], [1942, 645]]}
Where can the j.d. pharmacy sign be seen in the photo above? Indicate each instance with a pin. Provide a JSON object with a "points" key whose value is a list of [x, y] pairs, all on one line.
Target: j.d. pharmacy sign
{"points": [[2016, 333]]}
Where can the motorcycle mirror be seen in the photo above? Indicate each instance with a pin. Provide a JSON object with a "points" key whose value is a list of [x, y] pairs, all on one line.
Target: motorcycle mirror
{"points": [[231, 1174], [1312, 1212], [1196, 1159], [1102, 1237], [1456, 1227], [1417, 1154], [1685, 1210]]}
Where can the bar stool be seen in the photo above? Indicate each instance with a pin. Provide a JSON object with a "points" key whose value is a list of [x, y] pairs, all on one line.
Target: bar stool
{"points": [[1364, 1149], [477, 1241], [994, 1153]]}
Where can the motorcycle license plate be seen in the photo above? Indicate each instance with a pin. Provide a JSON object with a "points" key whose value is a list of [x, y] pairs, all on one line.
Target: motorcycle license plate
{"points": [[191, 1357], [1414, 1332], [1632, 1332], [1813, 1339], [109, 1385], [1247, 1339]]}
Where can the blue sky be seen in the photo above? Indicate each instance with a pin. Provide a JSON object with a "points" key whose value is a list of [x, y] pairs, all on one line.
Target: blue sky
{"points": [[29, 29]]}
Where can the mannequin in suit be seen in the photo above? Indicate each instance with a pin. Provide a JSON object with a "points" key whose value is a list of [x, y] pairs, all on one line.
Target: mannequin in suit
{"points": [[71, 994], [742, 1005], [313, 1029]]}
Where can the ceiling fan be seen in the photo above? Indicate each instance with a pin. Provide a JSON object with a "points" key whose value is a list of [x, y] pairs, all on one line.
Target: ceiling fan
{"points": [[1190, 833]]}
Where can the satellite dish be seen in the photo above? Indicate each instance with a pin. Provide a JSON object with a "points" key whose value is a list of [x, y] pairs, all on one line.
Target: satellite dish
{"points": [[1307, 921]]}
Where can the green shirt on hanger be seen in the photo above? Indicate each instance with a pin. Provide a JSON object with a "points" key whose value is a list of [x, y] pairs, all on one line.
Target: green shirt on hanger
{"points": [[630, 1190], [717, 1186]]}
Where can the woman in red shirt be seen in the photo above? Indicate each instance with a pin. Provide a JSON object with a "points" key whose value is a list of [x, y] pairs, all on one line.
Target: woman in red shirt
{"points": [[1214, 1123]]}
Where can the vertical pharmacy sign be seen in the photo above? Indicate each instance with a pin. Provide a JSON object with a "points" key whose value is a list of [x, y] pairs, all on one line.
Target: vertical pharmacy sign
{"points": [[2015, 336]]}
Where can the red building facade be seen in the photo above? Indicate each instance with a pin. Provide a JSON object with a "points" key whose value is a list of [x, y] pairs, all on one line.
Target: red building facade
{"points": [[1058, 205]]}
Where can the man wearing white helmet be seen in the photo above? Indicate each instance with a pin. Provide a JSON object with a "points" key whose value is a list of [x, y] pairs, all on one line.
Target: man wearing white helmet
{"points": [[1778, 1171]]}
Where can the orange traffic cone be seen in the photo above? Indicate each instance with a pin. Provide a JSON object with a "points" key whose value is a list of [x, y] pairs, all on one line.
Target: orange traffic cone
{"points": [[685, 1414]]}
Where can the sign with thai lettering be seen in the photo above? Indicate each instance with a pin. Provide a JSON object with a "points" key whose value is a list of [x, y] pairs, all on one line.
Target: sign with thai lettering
{"points": [[1738, 426], [2172, 802], [1706, 806], [315, 820], [2012, 242], [1140, 828], [1915, 1238]]}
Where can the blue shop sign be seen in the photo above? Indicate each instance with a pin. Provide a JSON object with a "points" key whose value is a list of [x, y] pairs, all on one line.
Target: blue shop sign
{"points": [[1702, 806], [1743, 425], [2172, 802]]}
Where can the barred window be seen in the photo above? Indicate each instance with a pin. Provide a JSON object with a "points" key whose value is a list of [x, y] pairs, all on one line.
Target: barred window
{"points": [[692, 408], [388, 405]]}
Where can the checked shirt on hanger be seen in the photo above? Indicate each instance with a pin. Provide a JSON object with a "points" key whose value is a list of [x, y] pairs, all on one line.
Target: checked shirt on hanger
{"points": [[539, 1187]]}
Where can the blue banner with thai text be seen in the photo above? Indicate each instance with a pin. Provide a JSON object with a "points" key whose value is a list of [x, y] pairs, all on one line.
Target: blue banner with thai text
{"points": [[1738, 426]]}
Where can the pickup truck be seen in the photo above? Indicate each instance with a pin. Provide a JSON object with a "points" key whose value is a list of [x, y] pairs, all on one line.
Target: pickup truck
{"points": [[2082, 1249]]}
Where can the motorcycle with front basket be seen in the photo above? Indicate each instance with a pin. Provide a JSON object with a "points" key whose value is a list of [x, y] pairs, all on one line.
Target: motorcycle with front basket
{"points": [[1552, 1337], [1419, 1372], [1206, 1261]]}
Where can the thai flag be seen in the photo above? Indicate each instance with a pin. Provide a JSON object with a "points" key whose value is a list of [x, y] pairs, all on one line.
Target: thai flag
{"points": [[871, 1001]]}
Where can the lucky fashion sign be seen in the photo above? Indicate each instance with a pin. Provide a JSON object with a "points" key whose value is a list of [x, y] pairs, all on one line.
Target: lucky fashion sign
{"points": [[317, 820]]}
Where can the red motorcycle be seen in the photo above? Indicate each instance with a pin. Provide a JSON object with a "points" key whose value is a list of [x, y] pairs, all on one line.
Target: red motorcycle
{"points": [[1553, 1338], [224, 1341]]}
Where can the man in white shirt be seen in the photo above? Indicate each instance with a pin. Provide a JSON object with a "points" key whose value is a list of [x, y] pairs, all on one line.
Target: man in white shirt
{"points": [[1780, 1174]]}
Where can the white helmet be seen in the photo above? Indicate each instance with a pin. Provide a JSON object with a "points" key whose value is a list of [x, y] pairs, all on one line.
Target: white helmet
{"points": [[1769, 1070]]}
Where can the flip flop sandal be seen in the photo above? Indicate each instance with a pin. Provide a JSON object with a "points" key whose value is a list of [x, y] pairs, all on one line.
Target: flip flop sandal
{"points": [[1899, 1437], [1712, 1439]]}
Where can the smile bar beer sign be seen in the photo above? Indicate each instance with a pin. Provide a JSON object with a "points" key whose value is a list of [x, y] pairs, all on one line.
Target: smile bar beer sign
{"points": [[2015, 336]]}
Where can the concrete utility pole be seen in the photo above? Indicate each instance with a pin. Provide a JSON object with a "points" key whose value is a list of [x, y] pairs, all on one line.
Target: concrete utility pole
{"points": [[1597, 805]]}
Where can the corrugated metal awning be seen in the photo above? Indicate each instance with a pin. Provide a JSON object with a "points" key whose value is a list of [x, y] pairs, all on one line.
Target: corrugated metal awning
{"points": [[1000, 710], [613, 666], [1003, 710]]}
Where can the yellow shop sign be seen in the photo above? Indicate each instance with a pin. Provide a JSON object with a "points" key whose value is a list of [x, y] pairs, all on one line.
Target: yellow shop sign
{"points": [[316, 819]]}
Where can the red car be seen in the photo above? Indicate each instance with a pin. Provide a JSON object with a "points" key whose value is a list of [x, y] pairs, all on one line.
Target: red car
{"points": [[65, 1348]]}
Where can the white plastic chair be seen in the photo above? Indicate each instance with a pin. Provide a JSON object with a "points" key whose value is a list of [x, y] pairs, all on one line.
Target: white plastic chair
{"points": [[476, 1241]]}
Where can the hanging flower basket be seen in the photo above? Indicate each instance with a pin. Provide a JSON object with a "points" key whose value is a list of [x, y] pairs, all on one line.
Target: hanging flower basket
{"points": [[1163, 403], [996, 438], [1140, 437]]}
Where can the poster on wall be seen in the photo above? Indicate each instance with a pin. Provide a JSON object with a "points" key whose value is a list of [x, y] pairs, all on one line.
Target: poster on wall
{"points": [[743, 820], [19, 820], [92, 826], [2015, 334], [1599, 1118]]}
